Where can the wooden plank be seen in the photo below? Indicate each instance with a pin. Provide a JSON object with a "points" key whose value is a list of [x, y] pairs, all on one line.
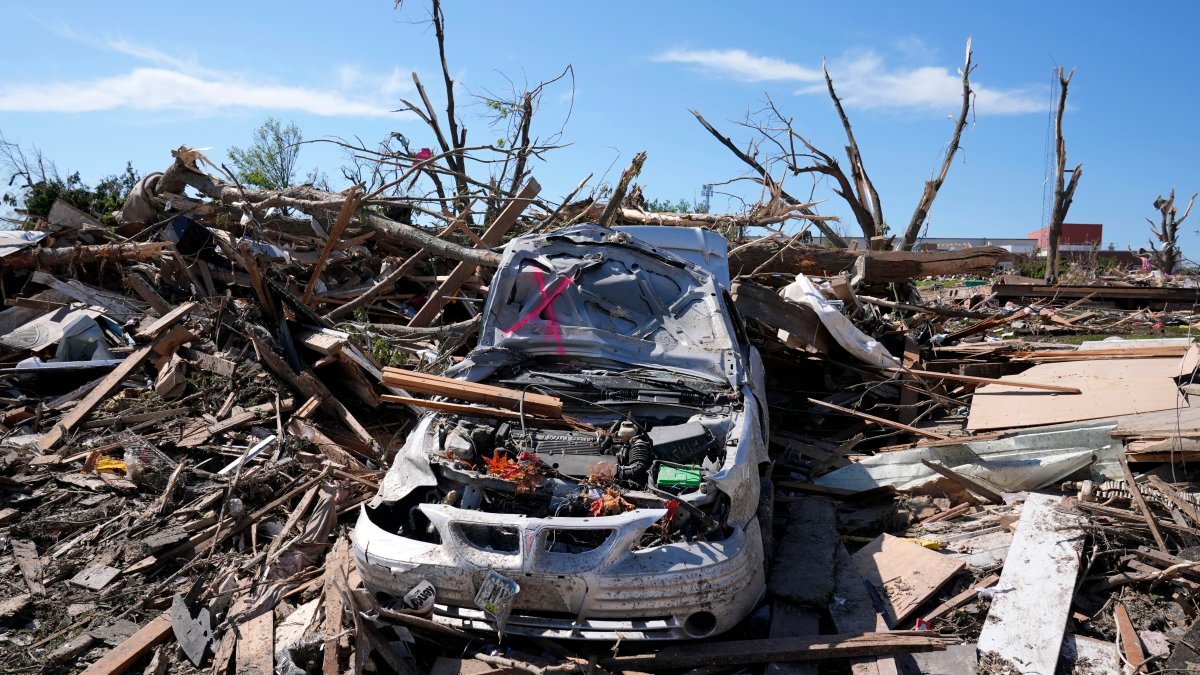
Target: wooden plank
{"points": [[334, 607], [147, 293], [491, 237], [30, 562], [121, 658], [102, 391], [971, 379], [904, 574], [1037, 584], [742, 652], [879, 420], [256, 645], [353, 201], [166, 321], [1131, 644], [754, 301], [965, 482], [473, 392], [1136, 493], [456, 408], [1172, 496], [961, 599]]}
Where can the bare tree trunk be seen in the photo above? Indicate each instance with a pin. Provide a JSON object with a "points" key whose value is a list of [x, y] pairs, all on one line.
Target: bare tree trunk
{"points": [[868, 196], [618, 194], [925, 204], [1167, 258], [1063, 195]]}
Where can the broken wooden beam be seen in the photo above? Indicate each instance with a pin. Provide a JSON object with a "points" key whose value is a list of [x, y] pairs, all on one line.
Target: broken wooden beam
{"points": [[123, 656], [971, 379], [741, 652], [879, 420], [473, 392], [102, 390]]}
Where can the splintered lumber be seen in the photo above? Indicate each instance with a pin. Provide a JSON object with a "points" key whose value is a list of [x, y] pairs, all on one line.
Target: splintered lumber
{"points": [[335, 570], [119, 659], [353, 201], [754, 301], [25, 552], [65, 256], [454, 408], [962, 598], [879, 420], [491, 236], [904, 574], [166, 321], [1131, 644], [1094, 354], [773, 256], [1025, 624], [102, 390], [1136, 493], [741, 652], [971, 379], [473, 392]]}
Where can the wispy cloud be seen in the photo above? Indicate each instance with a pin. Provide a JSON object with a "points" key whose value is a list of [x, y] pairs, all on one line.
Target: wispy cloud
{"points": [[741, 65], [864, 80], [165, 82], [163, 89]]}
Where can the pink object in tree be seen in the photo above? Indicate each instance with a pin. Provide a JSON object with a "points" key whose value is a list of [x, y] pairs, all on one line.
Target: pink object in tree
{"points": [[424, 154]]}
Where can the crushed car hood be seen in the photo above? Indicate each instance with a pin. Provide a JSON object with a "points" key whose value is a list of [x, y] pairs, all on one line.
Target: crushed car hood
{"points": [[590, 291]]}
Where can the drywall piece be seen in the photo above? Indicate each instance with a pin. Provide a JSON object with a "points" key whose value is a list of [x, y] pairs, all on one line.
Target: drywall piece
{"points": [[1025, 461], [1032, 601], [904, 574], [1109, 388], [1088, 655]]}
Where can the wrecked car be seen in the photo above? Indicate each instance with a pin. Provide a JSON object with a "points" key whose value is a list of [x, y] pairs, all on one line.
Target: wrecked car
{"points": [[636, 515]]}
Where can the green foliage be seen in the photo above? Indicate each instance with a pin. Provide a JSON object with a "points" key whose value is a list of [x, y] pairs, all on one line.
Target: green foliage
{"points": [[270, 162], [681, 206], [100, 201]]}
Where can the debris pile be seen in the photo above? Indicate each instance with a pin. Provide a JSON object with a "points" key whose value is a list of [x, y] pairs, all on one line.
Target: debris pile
{"points": [[198, 402]]}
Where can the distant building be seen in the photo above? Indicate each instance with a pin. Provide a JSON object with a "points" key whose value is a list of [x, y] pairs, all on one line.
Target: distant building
{"points": [[1073, 237]]}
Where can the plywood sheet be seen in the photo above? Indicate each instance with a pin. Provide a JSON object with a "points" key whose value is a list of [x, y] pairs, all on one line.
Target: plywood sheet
{"points": [[905, 574], [1110, 388]]}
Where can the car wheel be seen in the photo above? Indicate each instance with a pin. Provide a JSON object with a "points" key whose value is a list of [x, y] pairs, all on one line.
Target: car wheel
{"points": [[766, 518]]}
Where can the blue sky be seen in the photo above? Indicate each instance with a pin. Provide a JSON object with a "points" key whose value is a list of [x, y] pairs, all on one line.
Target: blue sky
{"points": [[96, 84]]}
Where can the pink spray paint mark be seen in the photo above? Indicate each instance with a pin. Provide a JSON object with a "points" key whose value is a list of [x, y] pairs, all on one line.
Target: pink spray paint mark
{"points": [[545, 303]]}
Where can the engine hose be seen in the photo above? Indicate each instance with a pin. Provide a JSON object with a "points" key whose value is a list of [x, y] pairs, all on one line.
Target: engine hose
{"points": [[641, 456]]}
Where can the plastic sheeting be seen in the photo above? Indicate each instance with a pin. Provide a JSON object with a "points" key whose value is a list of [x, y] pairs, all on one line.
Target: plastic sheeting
{"points": [[864, 347]]}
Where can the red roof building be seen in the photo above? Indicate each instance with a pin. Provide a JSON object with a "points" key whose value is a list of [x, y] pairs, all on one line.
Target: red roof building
{"points": [[1073, 234]]}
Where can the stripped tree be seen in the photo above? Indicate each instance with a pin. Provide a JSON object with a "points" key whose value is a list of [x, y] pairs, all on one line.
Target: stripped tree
{"points": [[925, 204], [1166, 258], [800, 156], [1064, 191]]}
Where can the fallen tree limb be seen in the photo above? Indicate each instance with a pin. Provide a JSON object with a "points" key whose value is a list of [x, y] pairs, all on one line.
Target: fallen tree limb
{"points": [[310, 200], [775, 256], [65, 256]]}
